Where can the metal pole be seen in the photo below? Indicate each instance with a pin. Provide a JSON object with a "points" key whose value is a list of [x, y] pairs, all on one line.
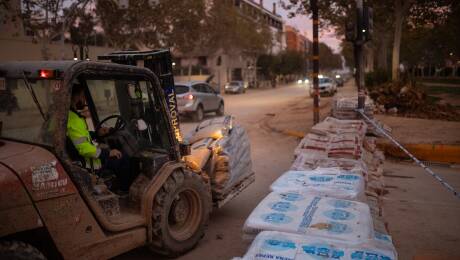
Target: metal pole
{"points": [[315, 58], [82, 55], [359, 55]]}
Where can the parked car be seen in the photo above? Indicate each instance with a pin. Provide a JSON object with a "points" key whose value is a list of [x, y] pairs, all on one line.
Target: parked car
{"points": [[197, 98], [339, 80], [326, 86], [236, 87]]}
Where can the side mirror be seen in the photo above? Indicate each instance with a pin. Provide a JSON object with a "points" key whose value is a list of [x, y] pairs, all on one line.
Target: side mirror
{"points": [[185, 148]]}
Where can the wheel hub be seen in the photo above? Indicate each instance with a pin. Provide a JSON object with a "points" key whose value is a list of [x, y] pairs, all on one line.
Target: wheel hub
{"points": [[184, 215], [180, 210]]}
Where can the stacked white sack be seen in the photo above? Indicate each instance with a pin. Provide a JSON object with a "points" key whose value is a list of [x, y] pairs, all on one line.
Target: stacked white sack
{"points": [[233, 163], [310, 162], [284, 246], [311, 215], [328, 182], [336, 126], [345, 108], [325, 144]]}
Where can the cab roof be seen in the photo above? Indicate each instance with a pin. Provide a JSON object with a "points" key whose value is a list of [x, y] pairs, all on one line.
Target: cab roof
{"points": [[15, 69]]}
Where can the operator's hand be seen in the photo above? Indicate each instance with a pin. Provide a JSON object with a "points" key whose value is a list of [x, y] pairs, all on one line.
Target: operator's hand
{"points": [[85, 112], [115, 153], [103, 131]]}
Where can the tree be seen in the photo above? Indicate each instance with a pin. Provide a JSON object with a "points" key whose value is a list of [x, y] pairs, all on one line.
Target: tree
{"points": [[334, 13], [433, 42], [193, 26], [329, 59], [230, 30], [347, 53], [132, 27], [49, 19]]}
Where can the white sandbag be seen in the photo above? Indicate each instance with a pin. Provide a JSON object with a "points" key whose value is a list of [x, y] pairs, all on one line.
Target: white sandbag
{"points": [[329, 182], [231, 153], [336, 126], [346, 145], [200, 154], [215, 128], [234, 163], [285, 246], [311, 215], [310, 162]]}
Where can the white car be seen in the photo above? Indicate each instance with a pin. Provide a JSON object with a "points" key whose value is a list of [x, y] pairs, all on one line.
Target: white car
{"points": [[305, 82], [326, 86]]}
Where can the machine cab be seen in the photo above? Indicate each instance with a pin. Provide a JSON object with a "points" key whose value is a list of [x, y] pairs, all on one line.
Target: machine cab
{"points": [[125, 99]]}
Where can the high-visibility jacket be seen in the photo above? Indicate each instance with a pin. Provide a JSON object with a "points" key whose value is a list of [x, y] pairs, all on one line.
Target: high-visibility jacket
{"points": [[77, 131]]}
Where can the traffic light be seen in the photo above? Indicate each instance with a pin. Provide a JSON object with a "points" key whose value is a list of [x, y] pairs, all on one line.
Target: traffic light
{"points": [[368, 23], [360, 27]]}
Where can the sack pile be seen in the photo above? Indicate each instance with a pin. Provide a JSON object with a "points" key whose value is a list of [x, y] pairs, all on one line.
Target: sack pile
{"points": [[328, 205], [222, 149], [334, 140], [282, 245], [233, 165], [344, 108]]}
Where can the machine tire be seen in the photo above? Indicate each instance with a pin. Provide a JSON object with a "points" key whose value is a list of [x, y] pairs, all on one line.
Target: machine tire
{"points": [[17, 250], [221, 110], [199, 114], [175, 233]]}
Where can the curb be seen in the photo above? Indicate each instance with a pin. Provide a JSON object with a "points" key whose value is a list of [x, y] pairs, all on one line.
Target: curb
{"points": [[293, 133], [443, 153]]}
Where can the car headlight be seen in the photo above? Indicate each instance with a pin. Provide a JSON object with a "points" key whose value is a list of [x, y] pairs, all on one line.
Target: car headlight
{"points": [[306, 81], [299, 81]]}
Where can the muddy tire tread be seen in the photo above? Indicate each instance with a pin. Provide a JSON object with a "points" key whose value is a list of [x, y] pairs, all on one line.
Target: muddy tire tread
{"points": [[17, 250], [176, 180]]}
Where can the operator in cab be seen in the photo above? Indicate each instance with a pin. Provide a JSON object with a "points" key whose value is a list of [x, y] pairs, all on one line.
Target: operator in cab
{"points": [[95, 157]]}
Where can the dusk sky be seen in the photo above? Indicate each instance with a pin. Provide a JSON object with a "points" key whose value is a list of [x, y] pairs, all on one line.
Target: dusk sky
{"points": [[304, 24]]}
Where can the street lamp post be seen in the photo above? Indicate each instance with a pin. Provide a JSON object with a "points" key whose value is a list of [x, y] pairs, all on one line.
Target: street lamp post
{"points": [[315, 58]]}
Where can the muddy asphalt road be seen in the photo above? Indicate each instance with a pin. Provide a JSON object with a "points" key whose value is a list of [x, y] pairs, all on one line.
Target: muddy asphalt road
{"points": [[272, 154]]}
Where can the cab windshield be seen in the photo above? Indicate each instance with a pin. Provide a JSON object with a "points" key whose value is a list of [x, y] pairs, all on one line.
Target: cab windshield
{"points": [[20, 116]]}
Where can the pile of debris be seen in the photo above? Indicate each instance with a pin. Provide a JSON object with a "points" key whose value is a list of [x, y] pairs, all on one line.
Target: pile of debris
{"points": [[328, 205], [408, 99]]}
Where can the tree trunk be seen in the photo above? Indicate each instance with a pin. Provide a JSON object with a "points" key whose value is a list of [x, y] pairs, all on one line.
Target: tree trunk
{"points": [[401, 8], [189, 69], [382, 54], [397, 41]]}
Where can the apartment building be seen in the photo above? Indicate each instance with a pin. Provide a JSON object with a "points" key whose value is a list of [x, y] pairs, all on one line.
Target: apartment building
{"points": [[224, 67]]}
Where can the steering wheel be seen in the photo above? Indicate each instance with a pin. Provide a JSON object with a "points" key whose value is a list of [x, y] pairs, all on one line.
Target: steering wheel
{"points": [[119, 125]]}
